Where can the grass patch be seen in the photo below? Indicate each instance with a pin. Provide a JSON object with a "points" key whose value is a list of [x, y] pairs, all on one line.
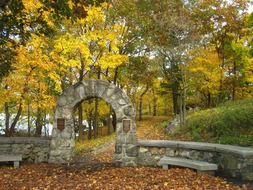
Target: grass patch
{"points": [[230, 123]]}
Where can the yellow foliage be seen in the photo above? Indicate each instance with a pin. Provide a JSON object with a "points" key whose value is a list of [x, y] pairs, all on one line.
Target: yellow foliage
{"points": [[90, 41], [41, 64], [32, 5], [204, 71], [249, 71], [28, 80]]}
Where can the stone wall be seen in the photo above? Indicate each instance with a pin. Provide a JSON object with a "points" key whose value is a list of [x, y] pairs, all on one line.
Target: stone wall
{"points": [[233, 161], [32, 149]]}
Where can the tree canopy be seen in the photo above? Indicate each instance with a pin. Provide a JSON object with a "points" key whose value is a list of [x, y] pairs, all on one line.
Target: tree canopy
{"points": [[167, 55]]}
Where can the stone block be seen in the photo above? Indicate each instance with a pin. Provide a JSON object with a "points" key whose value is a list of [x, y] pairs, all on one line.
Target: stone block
{"points": [[109, 91], [170, 152], [131, 151], [120, 115], [129, 161], [247, 172], [122, 102], [118, 148], [101, 90], [208, 156], [146, 159], [196, 155], [130, 138], [157, 158], [120, 138], [143, 150], [80, 92], [154, 151], [129, 111], [184, 153], [65, 134], [162, 151], [229, 162], [62, 101], [117, 156]]}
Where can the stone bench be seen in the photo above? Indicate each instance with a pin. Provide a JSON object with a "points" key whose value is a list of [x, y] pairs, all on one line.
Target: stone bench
{"points": [[200, 166], [15, 158]]}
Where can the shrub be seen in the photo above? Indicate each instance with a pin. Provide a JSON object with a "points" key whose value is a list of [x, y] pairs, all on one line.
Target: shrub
{"points": [[223, 124]]}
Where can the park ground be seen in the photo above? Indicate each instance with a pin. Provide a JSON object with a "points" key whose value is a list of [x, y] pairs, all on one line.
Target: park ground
{"points": [[93, 169]]}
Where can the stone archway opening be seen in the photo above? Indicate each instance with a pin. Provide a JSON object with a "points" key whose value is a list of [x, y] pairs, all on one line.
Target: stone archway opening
{"points": [[63, 134], [94, 118]]}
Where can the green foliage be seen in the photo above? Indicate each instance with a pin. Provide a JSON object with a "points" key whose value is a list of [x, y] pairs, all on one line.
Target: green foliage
{"points": [[162, 125], [243, 140], [230, 123]]}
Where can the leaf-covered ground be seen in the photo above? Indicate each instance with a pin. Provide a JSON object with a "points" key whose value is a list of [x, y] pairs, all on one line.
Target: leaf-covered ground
{"points": [[95, 170], [45, 176], [150, 128]]}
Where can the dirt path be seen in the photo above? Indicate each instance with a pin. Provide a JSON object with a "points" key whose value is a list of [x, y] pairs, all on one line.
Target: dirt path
{"points": [[152, 128]]}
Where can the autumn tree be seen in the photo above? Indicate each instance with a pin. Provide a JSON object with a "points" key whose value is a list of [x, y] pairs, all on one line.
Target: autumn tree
{"points": [[88, 48], [19, 20], [203, 72], [223, 25], [28, 84]]}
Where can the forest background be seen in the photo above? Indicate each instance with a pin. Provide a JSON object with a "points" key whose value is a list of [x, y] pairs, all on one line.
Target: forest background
{"points": [[169, 57]]}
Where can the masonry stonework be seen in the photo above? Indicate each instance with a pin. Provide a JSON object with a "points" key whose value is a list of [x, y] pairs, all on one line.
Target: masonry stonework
{"points": [[33, 149], [63, 143], [232, 161]]}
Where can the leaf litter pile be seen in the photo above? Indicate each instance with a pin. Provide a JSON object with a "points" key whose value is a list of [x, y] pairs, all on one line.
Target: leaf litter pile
{"points": [[46, 176]]}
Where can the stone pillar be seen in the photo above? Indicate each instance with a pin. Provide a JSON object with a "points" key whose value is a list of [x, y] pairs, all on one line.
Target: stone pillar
{"points": [[63, 136], [125, 147], [62, 143]]}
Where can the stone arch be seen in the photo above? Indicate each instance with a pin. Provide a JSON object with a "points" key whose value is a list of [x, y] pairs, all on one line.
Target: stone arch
{"points": [[63, 135]]}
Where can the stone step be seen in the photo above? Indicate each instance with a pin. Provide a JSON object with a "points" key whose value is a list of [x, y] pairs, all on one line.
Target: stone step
{"points": [[183, 162]]}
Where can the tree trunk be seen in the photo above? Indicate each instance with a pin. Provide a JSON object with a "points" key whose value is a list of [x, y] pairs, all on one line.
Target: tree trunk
{"points": [[7, 118], [183, 91], [90, 129], [28, 119], [114, 121], [184, 104], [154, 104], [39, 122], [180, 110], [89, 114], [222, 57], [209, 100], [234, 82], [96, 110], [15, 120], [80, 121], [45, 126], [175, 99], [95, 121], [115, 76], [140, 109], [140, 102], [109, 121]]}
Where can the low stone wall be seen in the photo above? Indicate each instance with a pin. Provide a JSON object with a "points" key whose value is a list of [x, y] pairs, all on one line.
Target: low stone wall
{"points": [[33, 149], [233, 161]]}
